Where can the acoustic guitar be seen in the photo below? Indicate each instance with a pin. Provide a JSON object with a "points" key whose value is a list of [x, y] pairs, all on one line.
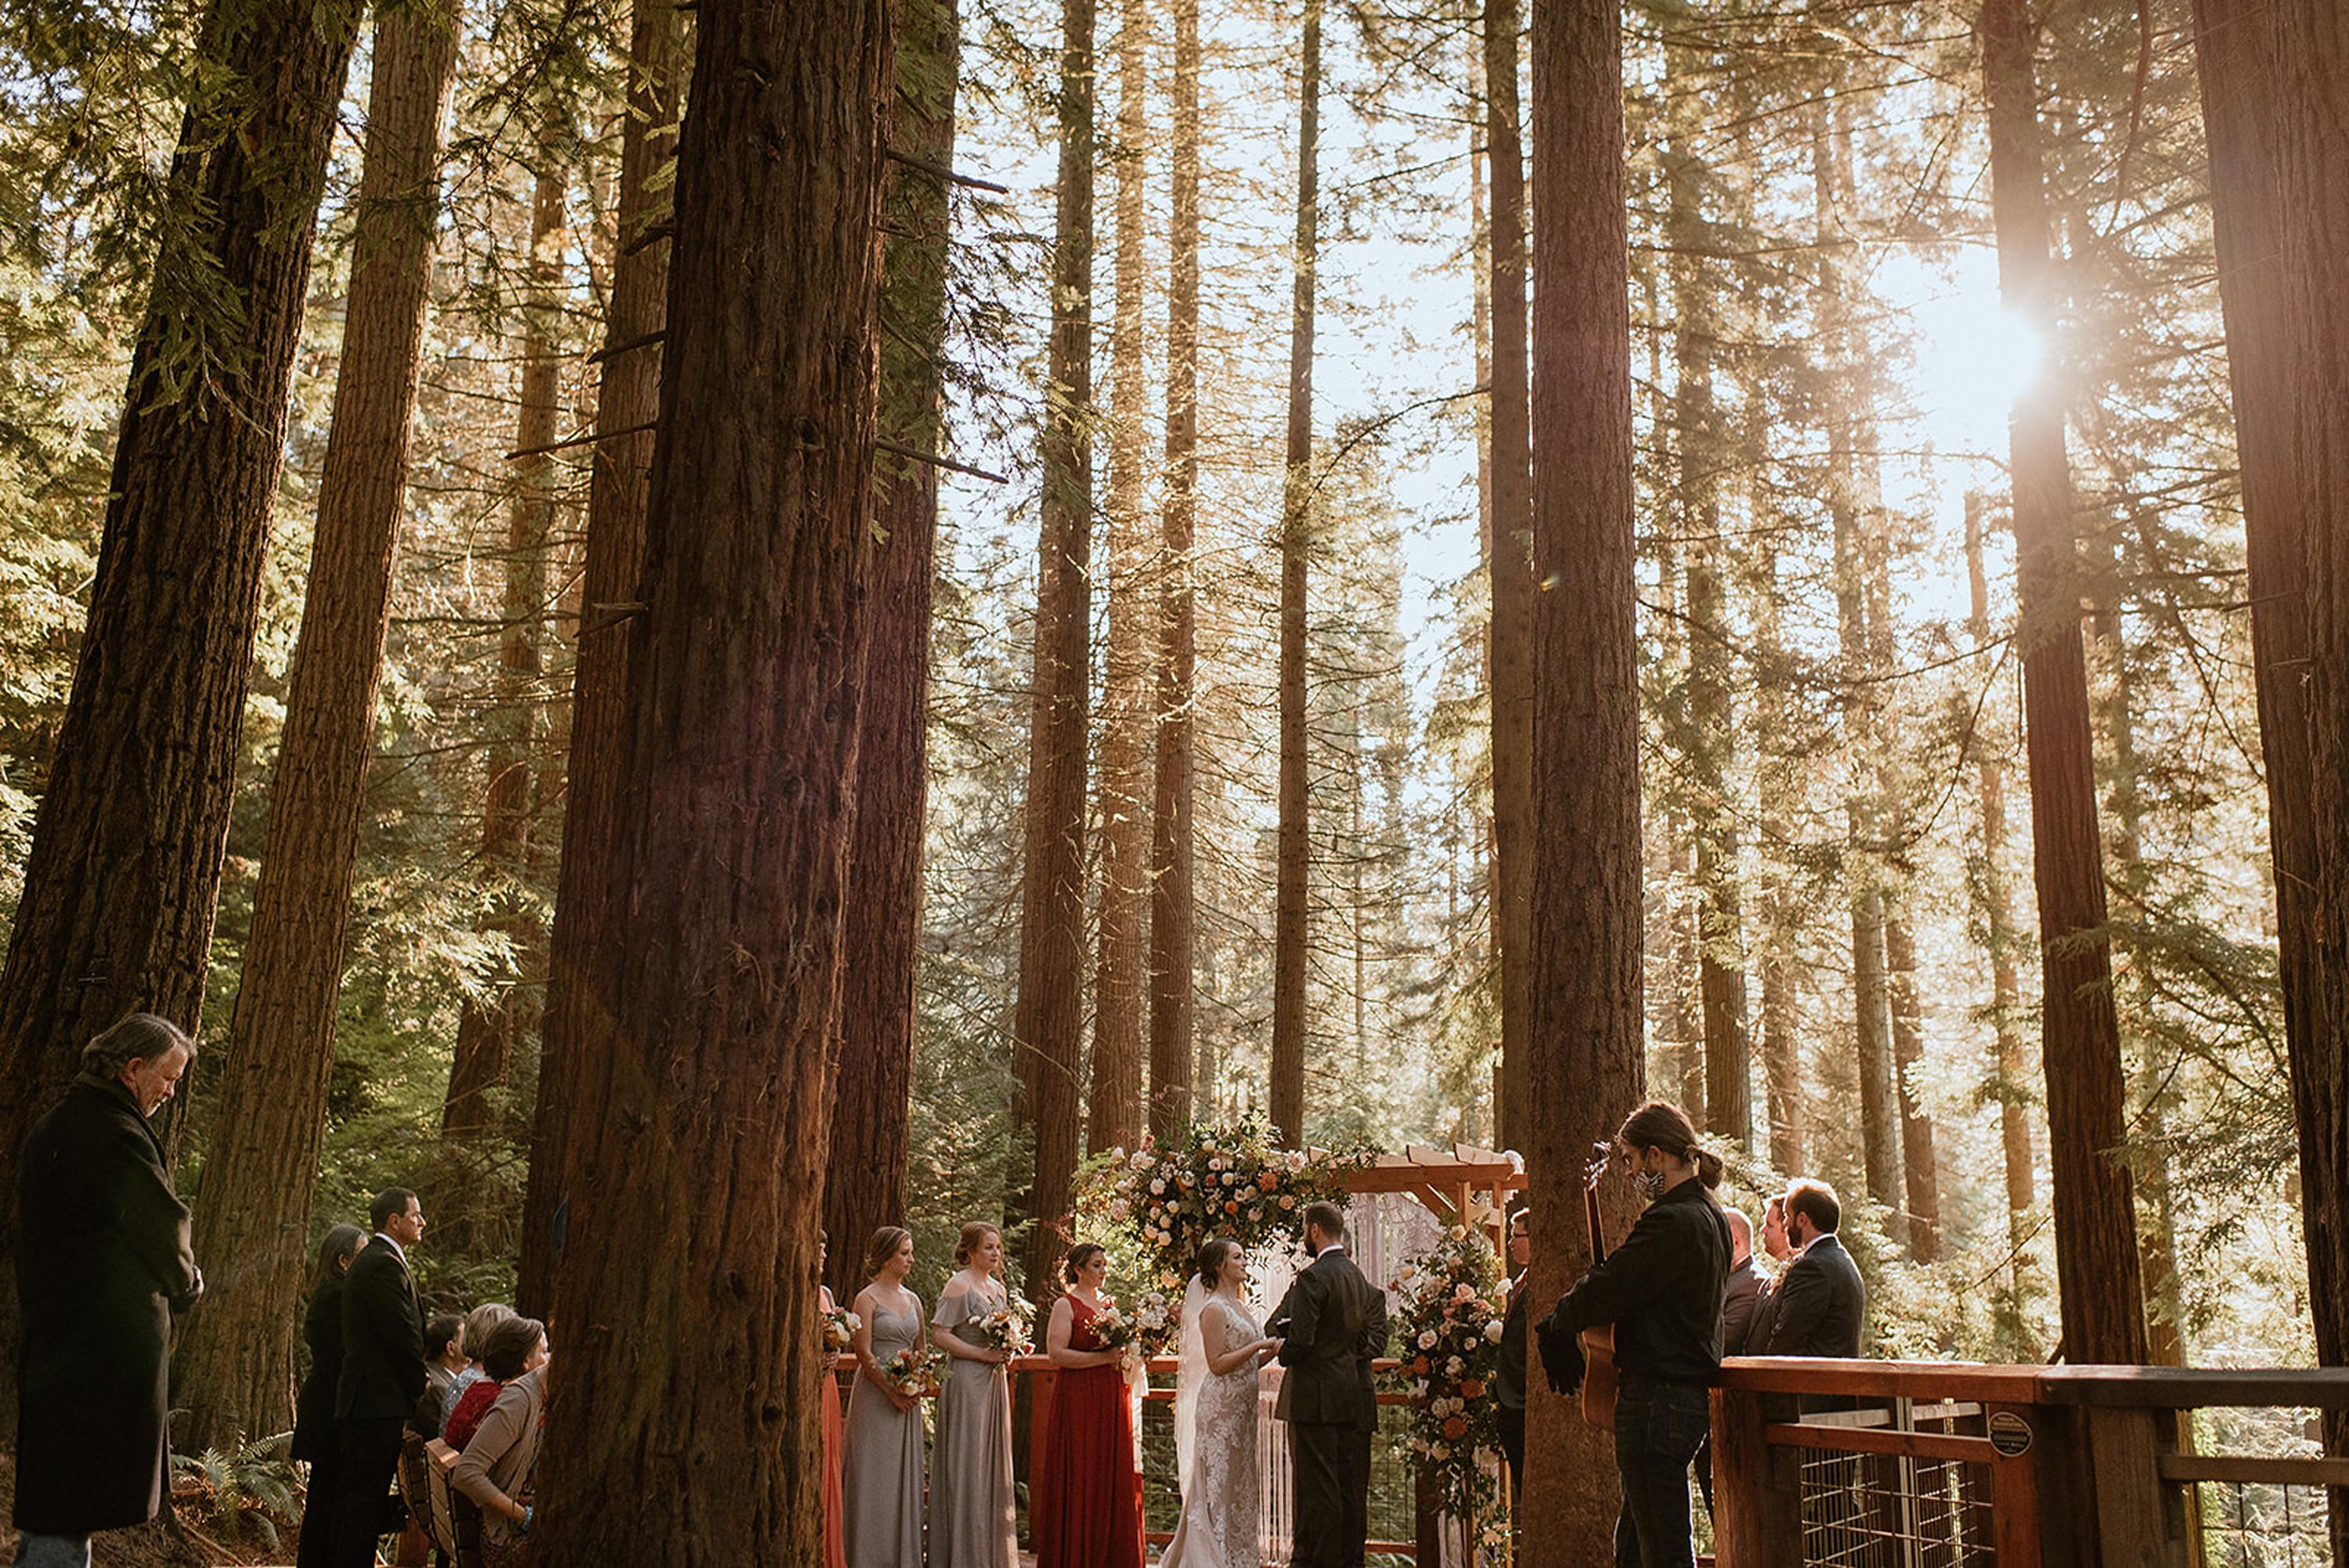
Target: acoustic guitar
{"points": [[1599, 1343]]}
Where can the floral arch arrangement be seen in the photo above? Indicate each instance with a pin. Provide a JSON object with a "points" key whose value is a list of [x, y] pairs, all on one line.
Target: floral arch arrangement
{"points": [[1454, 1303]]}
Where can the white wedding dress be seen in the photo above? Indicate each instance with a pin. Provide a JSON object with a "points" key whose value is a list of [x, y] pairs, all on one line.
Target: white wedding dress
{"points": [[1216, 1428]]}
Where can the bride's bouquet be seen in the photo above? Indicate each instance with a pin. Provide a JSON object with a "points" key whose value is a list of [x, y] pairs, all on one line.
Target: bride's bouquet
{"points": [[1010, 1327], [913, 1371], [1123, 1334], [840, 1330]]}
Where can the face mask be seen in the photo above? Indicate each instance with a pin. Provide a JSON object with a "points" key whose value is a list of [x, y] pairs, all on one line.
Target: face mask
{"points": [[1649, 1183]]}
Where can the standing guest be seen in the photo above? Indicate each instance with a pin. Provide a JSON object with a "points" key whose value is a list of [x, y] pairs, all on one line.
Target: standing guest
{"points": [[1086, 1494], [1332, 1325], [103, 1261], [881, 1462], [316, 1440], [1662, 1290], [383, 1375], [1765, 1304], [475, 1333], [835, 1547], [495, 1468], [1509, 1372], [1819, 1302], [1737, 1312], [973, 1509]]}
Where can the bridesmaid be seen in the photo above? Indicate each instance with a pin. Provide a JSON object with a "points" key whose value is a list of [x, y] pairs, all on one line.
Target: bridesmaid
{"points": [[836, 1552], [880, 1467], [972, 1506], [1087, 1494]]}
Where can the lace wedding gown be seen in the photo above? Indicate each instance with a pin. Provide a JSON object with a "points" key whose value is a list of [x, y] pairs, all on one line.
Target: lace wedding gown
{"points": [[1219, 1528]]}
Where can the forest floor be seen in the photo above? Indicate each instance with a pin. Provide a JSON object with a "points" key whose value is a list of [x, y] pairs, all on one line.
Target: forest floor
{"points": [[157, 1545]]}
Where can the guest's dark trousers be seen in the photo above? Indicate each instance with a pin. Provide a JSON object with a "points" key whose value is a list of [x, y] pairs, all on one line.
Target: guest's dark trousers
{"points": [[1658, 1427], [319, 1503], [363, 1508], [1513, 1445], [1330, 1467]]}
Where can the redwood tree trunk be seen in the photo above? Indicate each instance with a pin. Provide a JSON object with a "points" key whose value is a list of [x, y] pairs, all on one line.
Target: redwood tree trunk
{"points": [[2273, 91], [698, 1142], [627, 396], [1049, 1017], [1115, 1119], [1509, 647], [124, 871], [2098, 1275], [1172, 858], [1586, 1069], [865, 1185], [1290, 932], [1923, 1181], [234, 1370]]}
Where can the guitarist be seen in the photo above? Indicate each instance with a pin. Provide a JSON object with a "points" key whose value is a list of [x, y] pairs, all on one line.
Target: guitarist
{"points": [[1662, 1290]]}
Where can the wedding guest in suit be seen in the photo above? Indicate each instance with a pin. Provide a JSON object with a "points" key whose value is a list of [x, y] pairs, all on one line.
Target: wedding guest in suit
{"points": [[1332, 1325], [318, 1442], [495, 1468], [444, 1358], [974, 1513], [1819, 1302], [103, 1263], [1509, 1373], [881, 1461], [383, 1375], [1087, 1489], [1779, 1249], [1663, 1289], [1737, 1309]]}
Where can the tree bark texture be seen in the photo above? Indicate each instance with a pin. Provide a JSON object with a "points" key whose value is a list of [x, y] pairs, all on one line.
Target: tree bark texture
{"points": [[1115, 1111], [1049, 1016], [1172, 854], [865, 1185], [234, 1361], [1291, 933], [2098, 1279], [1588, 1070], [627, 396], [2274, 93], [698, 1138], [1509, 569], [1923, 1185], [123, 875]]}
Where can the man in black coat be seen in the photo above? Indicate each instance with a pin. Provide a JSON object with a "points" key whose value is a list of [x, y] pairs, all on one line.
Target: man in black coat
{"points": [[1509, 1371], [104, 1262], [383, 1373], [1333, 1324], [1817, 1306]]}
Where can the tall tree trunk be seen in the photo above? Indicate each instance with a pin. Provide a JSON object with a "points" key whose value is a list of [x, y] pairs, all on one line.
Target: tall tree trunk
{"points": [[1775, 957], [627, 399], [1291, 933], [1586, 1067], [1923, 1183], [2098, 1275], [1172, 895], [233, 1368], [2274, 83], [1050, 1016], [492, 1021], [1115, 1119], [124, 871], [1508, 567], [873, 1052], [699, 1135]]}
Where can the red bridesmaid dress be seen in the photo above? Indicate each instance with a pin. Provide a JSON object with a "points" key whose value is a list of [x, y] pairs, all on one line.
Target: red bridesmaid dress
{"points": [[835, 1553], [1086, 1499]]}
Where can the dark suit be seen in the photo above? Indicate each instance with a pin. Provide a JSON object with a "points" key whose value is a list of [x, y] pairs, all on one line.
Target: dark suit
{"points": [[1737, 1315], [383, 1372], [1333, 1324], [316, 1437], [1817, 1305]]}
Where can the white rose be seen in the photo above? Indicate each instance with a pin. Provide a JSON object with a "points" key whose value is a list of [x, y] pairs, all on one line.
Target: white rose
{"points": [[1453, 1368], [1493, 1330], [1157, 1186], [1463, 1292], [1427, 1339]]}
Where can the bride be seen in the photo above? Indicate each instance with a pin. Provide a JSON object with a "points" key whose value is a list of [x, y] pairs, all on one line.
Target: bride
{"points": [[1216, 1416]]}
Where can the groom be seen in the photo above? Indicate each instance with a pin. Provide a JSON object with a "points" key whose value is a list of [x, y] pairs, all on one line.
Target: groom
{"points": [[1331, 1324]]}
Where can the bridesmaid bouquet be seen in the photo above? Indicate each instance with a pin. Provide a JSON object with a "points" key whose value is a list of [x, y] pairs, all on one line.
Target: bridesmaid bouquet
{"points": [[1009, 1327], [840, 1330], [1122, 1334], [913, 1371]]}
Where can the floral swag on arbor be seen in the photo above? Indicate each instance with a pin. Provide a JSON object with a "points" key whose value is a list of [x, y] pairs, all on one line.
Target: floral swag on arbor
{"points": [[1453, 1303]]}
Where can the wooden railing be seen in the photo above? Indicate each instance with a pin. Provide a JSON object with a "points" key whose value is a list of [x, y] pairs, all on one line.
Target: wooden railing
{"points": [[1919, 1463]]}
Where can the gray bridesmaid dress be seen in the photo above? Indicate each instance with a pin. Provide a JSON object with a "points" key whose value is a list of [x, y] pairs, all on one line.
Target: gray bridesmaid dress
{"points": [[974, 1510], [881, 1464]]}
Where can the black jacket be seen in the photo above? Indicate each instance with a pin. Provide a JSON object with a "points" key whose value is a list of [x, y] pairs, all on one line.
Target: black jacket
{"points": [[103, 1260], [1737, 1310], [313, 1406], [1333, 1324], [1509, 1373], [1817, 1305], [383, 1338], [1663, 1289]]}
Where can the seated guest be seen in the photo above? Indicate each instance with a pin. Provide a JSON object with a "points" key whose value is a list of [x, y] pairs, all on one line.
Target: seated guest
{"points": [[444, 1358], [1816, 1307], [495, 1468], [476, 1333]]}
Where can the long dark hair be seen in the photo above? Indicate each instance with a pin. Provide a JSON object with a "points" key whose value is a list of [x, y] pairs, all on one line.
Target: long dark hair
{"points": [[337, 1248], [1659, 1124]]}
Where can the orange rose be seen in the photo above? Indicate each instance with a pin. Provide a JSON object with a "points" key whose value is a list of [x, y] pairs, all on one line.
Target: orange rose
{"points": [[1472, 1389], [1266, 1180], [1231, 1205], [1456, 1428], [1419, 1367]]}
